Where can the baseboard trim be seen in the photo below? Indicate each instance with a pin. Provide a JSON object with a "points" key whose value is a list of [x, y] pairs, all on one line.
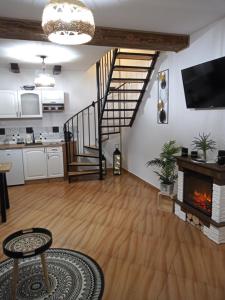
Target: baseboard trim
{"points": [[45, 180], [141, 180]]}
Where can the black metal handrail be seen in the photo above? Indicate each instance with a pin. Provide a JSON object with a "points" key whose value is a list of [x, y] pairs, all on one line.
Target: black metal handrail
{"points": [[87, 127]]}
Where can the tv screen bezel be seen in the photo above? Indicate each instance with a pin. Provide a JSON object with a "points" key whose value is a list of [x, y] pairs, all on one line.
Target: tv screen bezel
{"points": [[188, 105]]}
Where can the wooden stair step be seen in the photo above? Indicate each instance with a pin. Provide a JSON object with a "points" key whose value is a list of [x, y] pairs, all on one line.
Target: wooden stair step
{"points": [[120, 100], [83, 164], [114, 126], [116, 118], [131, 68], [108, 133], [114, 90], [82, 173], [87, 155], [92, 147], [134, 56], [119, 109], [129, 80]]}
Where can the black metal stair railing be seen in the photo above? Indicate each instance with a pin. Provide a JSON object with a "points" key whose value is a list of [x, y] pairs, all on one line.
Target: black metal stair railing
{"points": [[117, 104], [84, 128], [81, 130]]}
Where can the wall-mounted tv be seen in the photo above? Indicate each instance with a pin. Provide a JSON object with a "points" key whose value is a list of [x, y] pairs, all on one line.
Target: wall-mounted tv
{"points": [[204, 84]]}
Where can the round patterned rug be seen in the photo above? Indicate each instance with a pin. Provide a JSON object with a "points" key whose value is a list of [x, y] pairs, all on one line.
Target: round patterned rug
{"points": [[72, 275]]}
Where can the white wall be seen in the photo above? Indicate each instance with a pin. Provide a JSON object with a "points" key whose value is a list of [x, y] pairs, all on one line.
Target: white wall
{"points": [[79, 87], [144, 140]]}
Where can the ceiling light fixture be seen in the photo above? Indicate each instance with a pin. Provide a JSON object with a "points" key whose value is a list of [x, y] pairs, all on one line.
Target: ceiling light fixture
{"points": [[44, 80], [68, 22]]}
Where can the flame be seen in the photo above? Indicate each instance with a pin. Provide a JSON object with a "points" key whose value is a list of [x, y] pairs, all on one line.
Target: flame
{"points": [[203, 200]]}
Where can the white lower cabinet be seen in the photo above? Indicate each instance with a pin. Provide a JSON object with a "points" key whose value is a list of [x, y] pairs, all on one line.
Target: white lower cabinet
{"points": [[40, 163], [55, 162], [35, 166]]}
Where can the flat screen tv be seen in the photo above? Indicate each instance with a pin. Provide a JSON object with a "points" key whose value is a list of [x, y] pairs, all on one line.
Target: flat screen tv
{"points": [[204, 85]]}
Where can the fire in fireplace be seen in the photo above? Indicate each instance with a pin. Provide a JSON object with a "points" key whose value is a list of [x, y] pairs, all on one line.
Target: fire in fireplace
{"points": [[203, 201], [198, 191]]}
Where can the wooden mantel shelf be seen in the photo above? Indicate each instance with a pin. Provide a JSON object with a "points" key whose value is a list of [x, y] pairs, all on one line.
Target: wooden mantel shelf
{"points": [[213, 170]]}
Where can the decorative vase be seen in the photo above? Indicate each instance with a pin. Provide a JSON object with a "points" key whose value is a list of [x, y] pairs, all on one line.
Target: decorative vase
{"points": [[167, 188], [162, 116]]}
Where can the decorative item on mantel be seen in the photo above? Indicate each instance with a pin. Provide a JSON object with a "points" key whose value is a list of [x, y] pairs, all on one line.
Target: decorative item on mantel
{"points": [[68, 22], [163, 97], [167, 164], [204, 143], [117, 161]]}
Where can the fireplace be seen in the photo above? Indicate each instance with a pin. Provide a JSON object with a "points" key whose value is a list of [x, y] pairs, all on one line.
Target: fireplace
{"points": [[201, 197], [198, 191]]}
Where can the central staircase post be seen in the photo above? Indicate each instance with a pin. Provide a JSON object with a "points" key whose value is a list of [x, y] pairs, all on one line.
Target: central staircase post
{"points": [[99, 120]]}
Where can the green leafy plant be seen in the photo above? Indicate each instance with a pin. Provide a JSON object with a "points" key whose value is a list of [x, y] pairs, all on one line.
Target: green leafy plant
{"points": [[204, 143], [166, 162]]}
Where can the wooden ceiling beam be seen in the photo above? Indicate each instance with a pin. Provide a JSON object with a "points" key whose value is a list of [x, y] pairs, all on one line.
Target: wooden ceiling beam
{"points": [[109, 37]]}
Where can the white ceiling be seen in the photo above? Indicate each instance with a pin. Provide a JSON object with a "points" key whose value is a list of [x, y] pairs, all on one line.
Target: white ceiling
{"points": [[172, 16], [27, 53]]}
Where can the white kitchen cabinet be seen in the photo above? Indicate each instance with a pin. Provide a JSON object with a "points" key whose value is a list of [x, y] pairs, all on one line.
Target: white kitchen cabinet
{"points": [[35, 166], [21, 104], [55, 162], [8, 104], [52, 97], [40, 163], [15, 157], [30, 104]]}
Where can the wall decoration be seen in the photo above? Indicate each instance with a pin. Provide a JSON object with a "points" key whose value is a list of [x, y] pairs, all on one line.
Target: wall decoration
{"points": [[163, 97]]}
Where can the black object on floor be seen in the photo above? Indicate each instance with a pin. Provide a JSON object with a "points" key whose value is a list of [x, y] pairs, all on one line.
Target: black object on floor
{"points": [[4, 197]]}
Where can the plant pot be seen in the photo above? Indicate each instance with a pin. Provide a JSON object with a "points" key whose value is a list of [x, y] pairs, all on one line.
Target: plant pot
{"points": [[167, 188]]}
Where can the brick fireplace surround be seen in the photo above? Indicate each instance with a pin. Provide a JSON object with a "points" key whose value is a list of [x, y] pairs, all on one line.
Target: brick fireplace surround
{"points": [[213, 227]]}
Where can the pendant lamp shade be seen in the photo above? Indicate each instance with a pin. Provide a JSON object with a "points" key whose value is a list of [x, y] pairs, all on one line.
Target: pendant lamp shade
{"points": [[68, 22], [44, 80]]}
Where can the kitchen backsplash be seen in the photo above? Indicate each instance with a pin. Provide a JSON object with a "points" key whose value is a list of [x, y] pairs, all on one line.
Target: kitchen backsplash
{"points": [[6, 134]]}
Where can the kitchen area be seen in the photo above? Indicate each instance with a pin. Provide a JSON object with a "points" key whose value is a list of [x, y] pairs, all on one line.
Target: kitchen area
{"points": [[35, 153], [41, 86]]}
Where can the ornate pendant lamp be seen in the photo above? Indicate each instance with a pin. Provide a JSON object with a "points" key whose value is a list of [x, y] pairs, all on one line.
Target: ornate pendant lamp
{"points": [[68, 22], [44, 80]]}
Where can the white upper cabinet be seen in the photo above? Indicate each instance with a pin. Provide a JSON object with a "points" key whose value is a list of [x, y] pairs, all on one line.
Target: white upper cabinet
{"points": [[30, 105], [8, 104], [52, 97]]}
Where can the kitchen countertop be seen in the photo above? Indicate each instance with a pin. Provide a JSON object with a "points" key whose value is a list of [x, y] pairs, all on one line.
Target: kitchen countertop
{"points": [[24, 146], [6, 167]]}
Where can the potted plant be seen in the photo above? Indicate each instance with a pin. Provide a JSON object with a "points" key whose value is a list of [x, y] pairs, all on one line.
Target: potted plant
{"points": [[167, 165], [204, 143]]}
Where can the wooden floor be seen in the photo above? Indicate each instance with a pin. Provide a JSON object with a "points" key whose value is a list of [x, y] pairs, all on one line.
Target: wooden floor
{"points": [[145, 254]]}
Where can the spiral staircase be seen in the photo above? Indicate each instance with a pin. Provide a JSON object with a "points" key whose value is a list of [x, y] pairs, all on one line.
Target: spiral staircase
{"points": [[122, 78]]}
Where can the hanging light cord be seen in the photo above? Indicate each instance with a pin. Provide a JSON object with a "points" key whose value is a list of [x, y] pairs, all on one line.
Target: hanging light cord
{"points": [[43, 63]]}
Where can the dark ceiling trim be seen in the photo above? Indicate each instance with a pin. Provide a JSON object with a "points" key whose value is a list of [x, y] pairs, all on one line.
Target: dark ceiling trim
{"points": [[108, 37]]}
